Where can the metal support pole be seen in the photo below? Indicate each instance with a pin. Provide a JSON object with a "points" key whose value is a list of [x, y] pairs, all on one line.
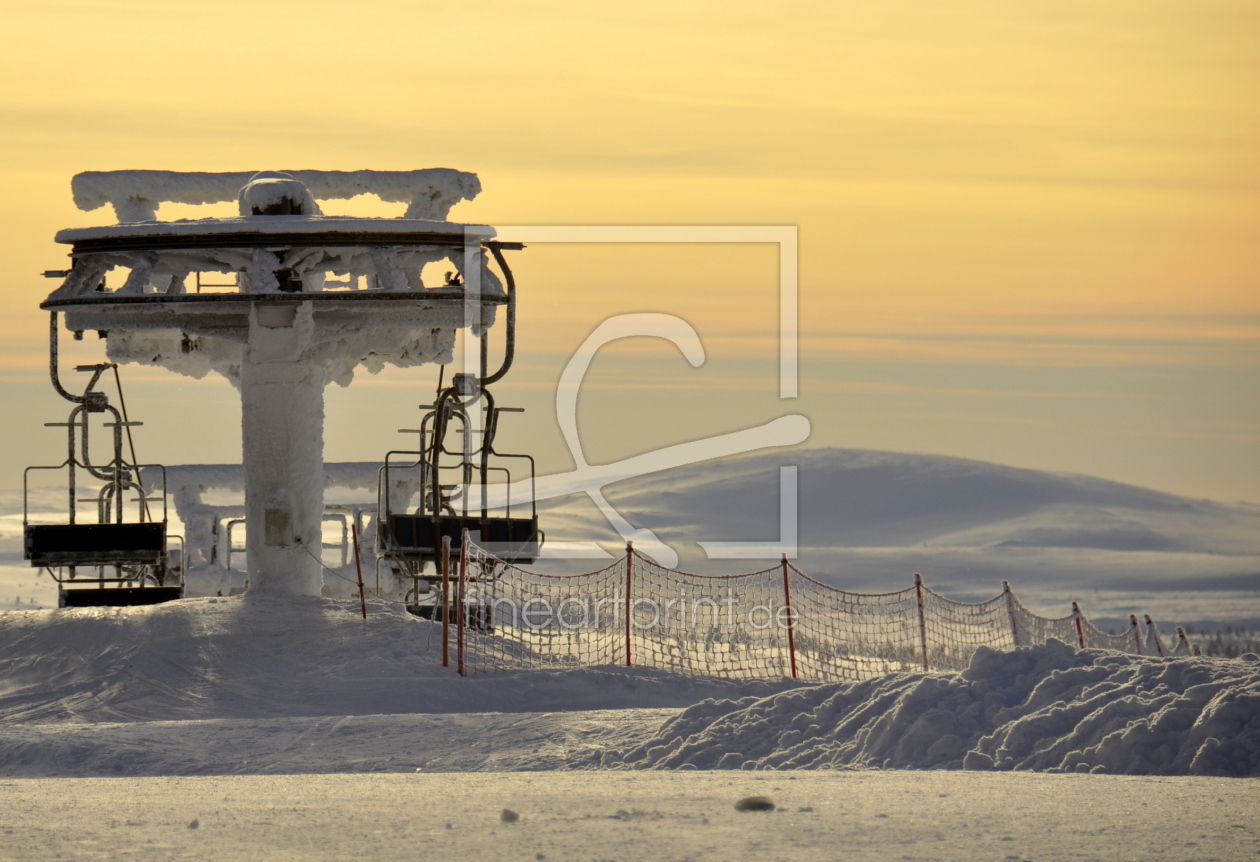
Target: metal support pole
{"points": [[446, 601], [629, 571], [1080, 629], [459, 599], [791, 622], [1010, 611], [358, 566], [918, 591]]}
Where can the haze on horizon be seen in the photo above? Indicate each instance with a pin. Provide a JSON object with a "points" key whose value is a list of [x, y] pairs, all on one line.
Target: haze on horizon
{"points": [[1028, 234]]}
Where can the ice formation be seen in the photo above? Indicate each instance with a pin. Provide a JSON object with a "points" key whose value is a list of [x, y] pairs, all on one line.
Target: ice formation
{"points": [[1046, 709], [276, 193], [136, 195]]}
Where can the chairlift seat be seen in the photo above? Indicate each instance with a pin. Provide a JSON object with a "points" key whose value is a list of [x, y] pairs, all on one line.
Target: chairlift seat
{"points": [[119, 597], [95, 544], [513, 540]]}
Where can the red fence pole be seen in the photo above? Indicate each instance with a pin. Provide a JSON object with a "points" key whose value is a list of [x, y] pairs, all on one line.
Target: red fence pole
{"points": [[446, 601], [918, 591], [1080, 629], [1150, 629], [1010, 611], [358, 566], [459, 599], [787, 603], [629, 571]]}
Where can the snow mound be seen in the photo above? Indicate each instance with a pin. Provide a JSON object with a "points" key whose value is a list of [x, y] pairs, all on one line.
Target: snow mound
{"points": [[1048, 708]]}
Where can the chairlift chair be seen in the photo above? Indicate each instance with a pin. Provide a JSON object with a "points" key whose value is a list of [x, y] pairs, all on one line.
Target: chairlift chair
{"points": [[454, 464], [127, 557]]}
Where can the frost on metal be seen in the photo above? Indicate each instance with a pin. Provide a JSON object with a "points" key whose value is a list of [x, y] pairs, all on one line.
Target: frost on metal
{"points": [[136, 195], [338, 347]]}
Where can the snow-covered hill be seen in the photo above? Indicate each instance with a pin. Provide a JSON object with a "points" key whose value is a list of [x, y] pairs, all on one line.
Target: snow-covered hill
{"points": [[869, 520]]}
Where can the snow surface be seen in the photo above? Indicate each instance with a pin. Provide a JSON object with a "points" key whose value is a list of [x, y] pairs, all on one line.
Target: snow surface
{"points": [[956, 817], [1048, 708], [252, 657], [184, 688]]}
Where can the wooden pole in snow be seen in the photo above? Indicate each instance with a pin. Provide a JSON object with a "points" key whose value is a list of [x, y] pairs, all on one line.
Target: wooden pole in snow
{"points": [[787, 603], [629, 571], [918, 591]]}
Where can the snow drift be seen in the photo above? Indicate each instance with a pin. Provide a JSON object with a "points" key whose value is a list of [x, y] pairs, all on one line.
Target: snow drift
{"points": [[1048, 708]]}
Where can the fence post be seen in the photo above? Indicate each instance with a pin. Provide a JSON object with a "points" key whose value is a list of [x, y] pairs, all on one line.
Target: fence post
{"points": [[918, 591], [1080, 629], [459, 599], [1137, 634], [629, 571], [1010, 611], [446, 601], [791, 623], [358, 566], [1152, 635]]}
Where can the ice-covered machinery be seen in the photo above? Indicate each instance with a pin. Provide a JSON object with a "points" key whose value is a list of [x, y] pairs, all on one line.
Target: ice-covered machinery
{"points": [[282, 300]]}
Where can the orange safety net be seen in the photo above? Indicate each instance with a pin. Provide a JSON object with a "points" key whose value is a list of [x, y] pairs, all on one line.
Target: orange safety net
{"points": [[771, 623]]}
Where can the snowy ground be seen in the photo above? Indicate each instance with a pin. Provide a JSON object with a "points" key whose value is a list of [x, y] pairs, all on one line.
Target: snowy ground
{"points": [[300, 729], [233, 685], [633, 816]]}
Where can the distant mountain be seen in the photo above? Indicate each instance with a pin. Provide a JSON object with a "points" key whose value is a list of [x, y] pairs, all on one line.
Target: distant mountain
{"points": [[871, 519]]}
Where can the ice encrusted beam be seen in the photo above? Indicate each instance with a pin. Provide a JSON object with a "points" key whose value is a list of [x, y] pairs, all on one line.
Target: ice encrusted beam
{"points": [[136, 195]]}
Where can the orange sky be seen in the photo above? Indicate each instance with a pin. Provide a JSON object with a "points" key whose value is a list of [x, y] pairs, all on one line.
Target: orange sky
{"points": [[1051, 203]]}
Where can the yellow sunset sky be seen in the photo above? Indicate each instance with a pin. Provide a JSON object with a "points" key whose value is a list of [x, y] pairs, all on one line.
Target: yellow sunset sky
{"points": [[1029, 232]]}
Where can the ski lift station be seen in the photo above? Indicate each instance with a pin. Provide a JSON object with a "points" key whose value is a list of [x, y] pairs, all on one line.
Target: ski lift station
{"points": [[281, 300]]}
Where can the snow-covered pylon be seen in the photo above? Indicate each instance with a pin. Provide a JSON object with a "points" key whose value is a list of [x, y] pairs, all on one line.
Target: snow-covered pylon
{"points": [[281, 300], [1183, 644]]}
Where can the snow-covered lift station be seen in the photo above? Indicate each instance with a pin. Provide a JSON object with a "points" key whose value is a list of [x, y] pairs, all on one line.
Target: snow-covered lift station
{"points": [[283, 300]]}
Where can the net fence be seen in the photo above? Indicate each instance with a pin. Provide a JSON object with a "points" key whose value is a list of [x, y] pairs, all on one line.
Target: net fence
{"points": [[777, 622]]}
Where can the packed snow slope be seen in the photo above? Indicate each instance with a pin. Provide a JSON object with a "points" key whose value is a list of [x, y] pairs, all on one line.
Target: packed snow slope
{"points": [[251, 657], [240, 685], [1048, 708], [868, 520]]}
